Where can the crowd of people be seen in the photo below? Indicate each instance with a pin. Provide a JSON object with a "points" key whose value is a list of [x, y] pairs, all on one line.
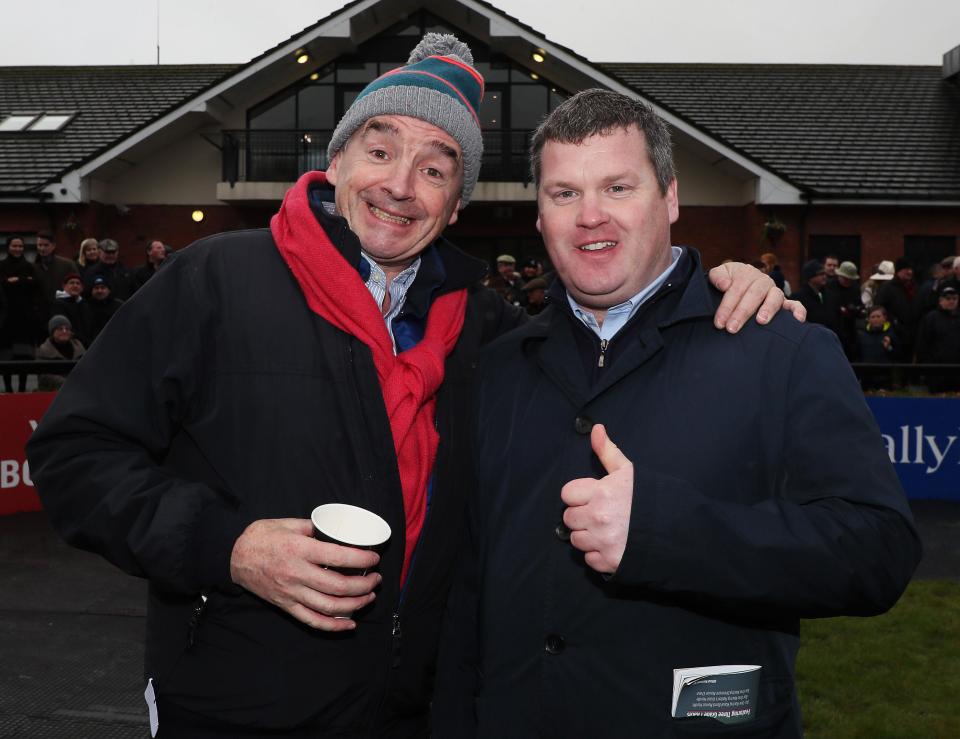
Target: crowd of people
{"points": [[53, 307], [890, 318]]}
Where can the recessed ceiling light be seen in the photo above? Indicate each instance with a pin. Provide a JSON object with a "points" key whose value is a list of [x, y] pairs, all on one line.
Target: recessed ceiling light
{"points": [[534, 76], [302, 56], [197, 215], [538, 55]]}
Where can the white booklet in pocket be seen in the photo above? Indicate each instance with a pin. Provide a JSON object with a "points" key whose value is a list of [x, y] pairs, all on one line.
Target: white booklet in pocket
{"points": [[727, 693]]}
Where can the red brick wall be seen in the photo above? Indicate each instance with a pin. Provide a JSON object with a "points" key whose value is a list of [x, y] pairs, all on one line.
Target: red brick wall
{"points": [[718, 232]]}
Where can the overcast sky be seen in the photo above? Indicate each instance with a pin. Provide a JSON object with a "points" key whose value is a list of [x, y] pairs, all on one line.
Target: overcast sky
{"points": [[202, 31]]}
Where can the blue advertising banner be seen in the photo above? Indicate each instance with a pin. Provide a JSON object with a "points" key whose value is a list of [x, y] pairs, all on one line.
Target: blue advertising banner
{"points": [[921, 437]]}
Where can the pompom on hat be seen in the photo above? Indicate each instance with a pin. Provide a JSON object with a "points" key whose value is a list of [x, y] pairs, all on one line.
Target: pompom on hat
{"points": [[438, 85]]}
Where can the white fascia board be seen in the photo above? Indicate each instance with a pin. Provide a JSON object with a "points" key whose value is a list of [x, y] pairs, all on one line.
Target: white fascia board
{"points": [[888, 203], [76, 190], [772, 187], [338, 27]]}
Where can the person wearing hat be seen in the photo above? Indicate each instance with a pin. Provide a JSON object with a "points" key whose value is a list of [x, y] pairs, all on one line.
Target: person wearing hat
{"points": [[813, 280], [60, 344], [938, 339], [881, 274], [119, 277], [536, 296], [510, 287], [70, 302], [100, 306], [842, 299], [329, 358], [899, 296]]}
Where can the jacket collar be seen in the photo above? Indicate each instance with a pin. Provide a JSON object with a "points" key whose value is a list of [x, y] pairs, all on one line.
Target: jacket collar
{"points": [[696, 298]]}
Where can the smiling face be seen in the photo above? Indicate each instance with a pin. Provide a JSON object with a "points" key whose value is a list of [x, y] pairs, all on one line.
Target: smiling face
{"points": [[73, 287], [604, 221], [91, 252], [15, 247], [398, 183]]}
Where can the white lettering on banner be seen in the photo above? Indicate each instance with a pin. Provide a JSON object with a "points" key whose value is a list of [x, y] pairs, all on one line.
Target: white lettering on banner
{"points": [[14, 473], [921, 442]]}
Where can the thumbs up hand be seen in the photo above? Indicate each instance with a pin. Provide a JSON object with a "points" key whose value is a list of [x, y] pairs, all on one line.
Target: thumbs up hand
{"points": [[598, 512]]}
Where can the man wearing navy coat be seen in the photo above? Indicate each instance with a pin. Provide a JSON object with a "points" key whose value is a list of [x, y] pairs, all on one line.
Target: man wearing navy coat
{"points": [[639, 568]]}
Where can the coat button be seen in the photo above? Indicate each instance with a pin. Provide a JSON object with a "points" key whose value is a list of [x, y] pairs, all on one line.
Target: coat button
{"points": [[554, 644], [582, 425], [562, 532]]}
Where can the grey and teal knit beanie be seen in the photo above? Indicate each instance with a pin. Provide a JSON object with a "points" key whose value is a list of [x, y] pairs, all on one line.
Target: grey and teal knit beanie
{"points": [[438, 85]]}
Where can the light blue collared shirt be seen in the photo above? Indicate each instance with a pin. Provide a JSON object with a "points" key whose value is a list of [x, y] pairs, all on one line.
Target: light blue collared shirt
{"points": [[618, 316], [377, 285]]}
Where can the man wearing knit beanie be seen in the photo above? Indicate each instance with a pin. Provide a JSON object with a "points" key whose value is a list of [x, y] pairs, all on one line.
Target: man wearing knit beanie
{"points": [[328, 359]]}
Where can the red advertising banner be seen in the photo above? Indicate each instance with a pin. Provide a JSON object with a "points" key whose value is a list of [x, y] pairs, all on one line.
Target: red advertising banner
{"points": [[19, 415]]}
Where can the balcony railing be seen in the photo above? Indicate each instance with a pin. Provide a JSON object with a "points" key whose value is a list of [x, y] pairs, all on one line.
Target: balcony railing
{"points": [[283, 155]]}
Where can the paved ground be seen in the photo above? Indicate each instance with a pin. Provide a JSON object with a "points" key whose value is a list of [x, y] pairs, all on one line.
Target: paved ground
{"points": [[71, 630]]}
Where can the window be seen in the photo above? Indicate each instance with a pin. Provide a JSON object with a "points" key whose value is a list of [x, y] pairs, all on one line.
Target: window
{"points": [[846, 248], [51, 122], [16, 122], [925, 251], [34, 122]]}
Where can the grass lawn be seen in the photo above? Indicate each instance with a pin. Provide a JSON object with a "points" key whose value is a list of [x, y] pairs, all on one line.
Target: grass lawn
{"points": [[896, 676]]}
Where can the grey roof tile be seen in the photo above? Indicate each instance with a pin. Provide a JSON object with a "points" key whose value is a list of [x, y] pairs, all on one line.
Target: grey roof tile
{"points": [[110, 103], [831, 130]]}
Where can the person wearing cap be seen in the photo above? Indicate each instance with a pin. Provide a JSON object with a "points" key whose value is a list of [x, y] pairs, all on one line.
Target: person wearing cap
{"points": [[899, 296], [510, 287], [938, 339], [881, 274], [536, 296], [119, 277], [813, 281], [842, 299], [60, 344], [532, 269], [69, 302], [329, 358], [100, 306]]}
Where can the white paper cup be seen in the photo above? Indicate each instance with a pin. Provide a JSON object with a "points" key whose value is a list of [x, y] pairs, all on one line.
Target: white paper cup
{"points": [[349, 526]]}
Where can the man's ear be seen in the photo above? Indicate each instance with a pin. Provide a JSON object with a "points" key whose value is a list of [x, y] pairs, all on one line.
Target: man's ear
{"points": [[539, 228], [673, 201], [455, 214], [332, 168]]}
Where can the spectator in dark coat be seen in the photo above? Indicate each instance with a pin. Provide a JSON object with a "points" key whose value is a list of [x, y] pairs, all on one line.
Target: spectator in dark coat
{"points": [[938, 340], [20, 330], [842, 299], [117, 273], [814, 279], [156, 255], [70, 303], [899, 297], [101, 306], [61, 344], [876, 339], [51, 269], [88, 257], [536, 292]]}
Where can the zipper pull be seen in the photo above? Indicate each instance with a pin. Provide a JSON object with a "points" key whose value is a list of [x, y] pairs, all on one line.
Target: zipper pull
{"points": [[603, 348], [397, 634]]}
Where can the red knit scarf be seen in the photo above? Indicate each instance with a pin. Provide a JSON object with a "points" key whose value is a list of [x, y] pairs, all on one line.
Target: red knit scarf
{"points": [[409, 381]]}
